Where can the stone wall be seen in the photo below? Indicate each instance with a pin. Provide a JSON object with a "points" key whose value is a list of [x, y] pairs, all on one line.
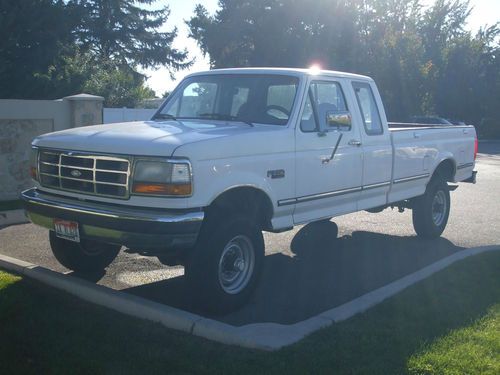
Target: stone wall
{"points": [[23, 120], [15, 141]]}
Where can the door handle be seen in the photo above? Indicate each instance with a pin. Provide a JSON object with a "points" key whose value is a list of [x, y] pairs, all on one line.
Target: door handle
{"points": [[416, 135], [354, 142], [465, 131]]}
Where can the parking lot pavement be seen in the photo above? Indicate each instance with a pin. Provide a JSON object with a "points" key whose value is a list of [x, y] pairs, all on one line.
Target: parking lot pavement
{"points": [[306, 271]]}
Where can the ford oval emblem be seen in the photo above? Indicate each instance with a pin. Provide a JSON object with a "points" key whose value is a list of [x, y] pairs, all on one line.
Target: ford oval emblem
{"points": [[76, 173]]}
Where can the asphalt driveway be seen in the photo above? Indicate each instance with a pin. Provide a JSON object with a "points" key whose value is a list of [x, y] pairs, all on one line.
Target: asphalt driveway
{"points": [[306, 270]]}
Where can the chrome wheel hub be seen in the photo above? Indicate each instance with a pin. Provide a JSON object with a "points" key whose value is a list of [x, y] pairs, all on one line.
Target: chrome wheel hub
{"points": [[236, 264], [439, 207], [239, 265]]}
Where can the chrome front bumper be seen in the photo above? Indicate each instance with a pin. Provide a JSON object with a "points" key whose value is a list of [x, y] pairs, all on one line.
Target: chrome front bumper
{"points": [[140, 228]]}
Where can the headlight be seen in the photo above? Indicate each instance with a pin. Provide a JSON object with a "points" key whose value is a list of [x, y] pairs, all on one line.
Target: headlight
{"points": [[34, 163], [162, 178]]}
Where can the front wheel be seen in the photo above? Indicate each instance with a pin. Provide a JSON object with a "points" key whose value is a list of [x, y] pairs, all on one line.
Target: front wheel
{"points": [[225, 266], [84, 256], [431, 210]]}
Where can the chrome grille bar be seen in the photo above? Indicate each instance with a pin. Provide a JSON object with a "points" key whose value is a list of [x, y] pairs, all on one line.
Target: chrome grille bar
{"points": [[83, 168], [110, 179]]}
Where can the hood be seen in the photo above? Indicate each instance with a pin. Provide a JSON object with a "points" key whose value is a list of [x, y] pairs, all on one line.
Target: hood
{"points": [[152, 138]]}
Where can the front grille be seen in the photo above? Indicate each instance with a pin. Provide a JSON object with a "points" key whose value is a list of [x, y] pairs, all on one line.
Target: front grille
{"points": [[89, 174]]}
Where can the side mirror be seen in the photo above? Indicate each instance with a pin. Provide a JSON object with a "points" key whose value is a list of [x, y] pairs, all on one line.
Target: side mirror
{"points": [[339, 119]]}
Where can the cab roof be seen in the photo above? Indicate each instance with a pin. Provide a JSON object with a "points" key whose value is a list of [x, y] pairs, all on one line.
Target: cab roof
{"points": [[288, 71]]}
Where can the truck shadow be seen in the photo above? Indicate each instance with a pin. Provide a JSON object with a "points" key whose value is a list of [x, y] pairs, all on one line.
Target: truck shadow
{"points": [[316, 273]]}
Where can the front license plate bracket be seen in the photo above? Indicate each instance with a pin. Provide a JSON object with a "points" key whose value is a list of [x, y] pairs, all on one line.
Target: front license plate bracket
{"points": [[67, 230]]}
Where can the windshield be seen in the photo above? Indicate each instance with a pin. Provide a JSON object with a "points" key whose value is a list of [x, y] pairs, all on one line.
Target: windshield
{"points": [[249, 98]]}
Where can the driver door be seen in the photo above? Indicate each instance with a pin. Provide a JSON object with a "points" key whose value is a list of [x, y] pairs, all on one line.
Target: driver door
{"points": [[329, 156]]}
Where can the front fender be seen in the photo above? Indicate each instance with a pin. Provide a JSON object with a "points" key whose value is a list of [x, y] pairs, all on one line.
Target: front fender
{"points": [[213, 178]]}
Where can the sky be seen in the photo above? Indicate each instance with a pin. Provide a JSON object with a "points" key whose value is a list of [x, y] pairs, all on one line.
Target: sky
{"points": [[483, 12], [180, 10]]}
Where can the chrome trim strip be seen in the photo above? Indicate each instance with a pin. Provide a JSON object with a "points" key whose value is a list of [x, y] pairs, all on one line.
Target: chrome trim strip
{"points": [[56, 165], [307, 198], [377, 185], [412, 178], [468, 165], [33, 196], [286, 202], [327, 195]]}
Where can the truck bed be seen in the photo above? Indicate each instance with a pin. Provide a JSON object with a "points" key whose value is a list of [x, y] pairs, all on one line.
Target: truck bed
{"points": [[416, 149]]}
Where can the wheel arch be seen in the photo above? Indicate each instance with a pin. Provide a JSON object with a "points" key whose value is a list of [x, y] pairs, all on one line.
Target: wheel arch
{"points": [[446, 168], [245, 198]]}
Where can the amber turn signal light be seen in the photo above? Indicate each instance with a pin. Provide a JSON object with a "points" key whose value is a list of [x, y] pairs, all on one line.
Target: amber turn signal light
{"points": [[161, 189], [33, 172]]}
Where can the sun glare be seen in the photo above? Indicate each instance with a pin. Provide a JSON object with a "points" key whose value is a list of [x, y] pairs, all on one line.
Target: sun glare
{"points": [[315, 68]]}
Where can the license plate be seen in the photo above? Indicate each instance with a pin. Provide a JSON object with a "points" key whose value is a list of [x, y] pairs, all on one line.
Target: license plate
{"points": [[67, 230]]}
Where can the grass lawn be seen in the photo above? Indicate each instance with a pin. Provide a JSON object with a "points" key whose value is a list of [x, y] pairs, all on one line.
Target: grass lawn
{"points": [[471, 350], [10, 205], [448, 323]]}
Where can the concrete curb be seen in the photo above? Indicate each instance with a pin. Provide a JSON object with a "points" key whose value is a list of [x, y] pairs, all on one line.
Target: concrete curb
{"points": [[264, 336], [12, 217]]}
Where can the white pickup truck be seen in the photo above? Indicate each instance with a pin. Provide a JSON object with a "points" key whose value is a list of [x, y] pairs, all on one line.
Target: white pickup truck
{"points": [[229, 154]]}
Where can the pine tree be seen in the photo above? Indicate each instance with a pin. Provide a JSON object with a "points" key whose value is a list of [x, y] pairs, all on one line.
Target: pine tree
{"points": [[126, 32], [31, 43]]}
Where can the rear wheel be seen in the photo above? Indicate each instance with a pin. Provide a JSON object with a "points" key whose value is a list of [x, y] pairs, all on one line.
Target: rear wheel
{"points": [[431, 210], [225, 266], [84, 256]]}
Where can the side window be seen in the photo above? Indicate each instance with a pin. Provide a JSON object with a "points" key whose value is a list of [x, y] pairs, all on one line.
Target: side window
{"points": [[368, 108], [324, 97]]}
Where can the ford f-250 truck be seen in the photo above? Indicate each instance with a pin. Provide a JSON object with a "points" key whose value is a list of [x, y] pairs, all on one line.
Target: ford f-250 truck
{"points": [[232, 153]]}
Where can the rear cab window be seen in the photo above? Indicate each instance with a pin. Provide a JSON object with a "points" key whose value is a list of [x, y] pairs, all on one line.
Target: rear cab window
{"points": [[322, 97], [368, 108]]}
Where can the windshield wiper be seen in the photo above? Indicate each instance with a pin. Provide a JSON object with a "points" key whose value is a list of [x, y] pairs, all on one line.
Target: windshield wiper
{"points": [[224, 116], [164, 116]]}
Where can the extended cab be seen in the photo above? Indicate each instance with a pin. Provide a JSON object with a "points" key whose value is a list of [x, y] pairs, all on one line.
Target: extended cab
{"points": [[232, 153]]}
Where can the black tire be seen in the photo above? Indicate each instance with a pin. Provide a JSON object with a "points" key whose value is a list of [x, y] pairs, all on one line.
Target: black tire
{"points": [[85, 256], [214, 261], [431, 210]]}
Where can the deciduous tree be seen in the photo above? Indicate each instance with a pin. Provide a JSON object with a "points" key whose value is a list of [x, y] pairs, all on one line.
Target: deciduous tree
{"points": [[421, 57]]}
